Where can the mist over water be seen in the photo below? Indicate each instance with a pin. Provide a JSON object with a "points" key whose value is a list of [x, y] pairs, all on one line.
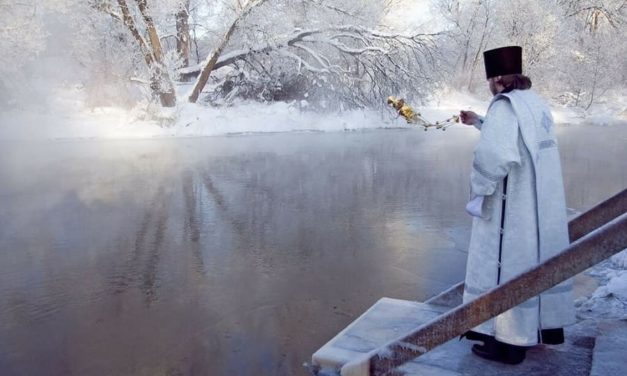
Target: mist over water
{"points": [[236, 255]]}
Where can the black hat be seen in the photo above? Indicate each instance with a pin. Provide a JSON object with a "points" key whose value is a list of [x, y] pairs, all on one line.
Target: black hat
{"points": [[503, 61]]}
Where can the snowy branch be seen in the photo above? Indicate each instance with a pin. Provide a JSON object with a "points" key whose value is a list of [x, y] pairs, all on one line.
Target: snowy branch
{"points": [[106, 7], [139, 80], [356, 51], [327, 36], [302, 62], [128, 21], [335, 9]]}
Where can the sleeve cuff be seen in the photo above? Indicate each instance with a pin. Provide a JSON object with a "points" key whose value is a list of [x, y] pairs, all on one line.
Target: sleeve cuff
{"points": [[474, 207]]}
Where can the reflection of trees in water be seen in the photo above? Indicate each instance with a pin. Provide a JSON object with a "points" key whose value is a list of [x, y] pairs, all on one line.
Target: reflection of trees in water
{"points": [[141, 269], [254, 196], [191, 229], [247, 226], [145, 250], [193, 219], [150, 281], [222, 205]]}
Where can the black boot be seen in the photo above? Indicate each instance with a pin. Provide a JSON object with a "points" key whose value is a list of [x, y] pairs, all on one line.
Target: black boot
{"points": [[551, 336], [475, 336], [500, 352]]}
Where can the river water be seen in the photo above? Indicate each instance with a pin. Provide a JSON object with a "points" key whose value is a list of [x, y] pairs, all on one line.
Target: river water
{"points": [[236, 255]]}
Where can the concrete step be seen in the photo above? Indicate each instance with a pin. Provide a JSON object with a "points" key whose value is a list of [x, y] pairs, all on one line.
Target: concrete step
{"points": [[573, 358], [385, 321], [390, 318], [610, 351]]}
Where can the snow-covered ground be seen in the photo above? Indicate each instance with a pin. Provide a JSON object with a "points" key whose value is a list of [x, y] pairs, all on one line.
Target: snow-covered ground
{"points": [[68, 118], [609, 301], [186, 120]]}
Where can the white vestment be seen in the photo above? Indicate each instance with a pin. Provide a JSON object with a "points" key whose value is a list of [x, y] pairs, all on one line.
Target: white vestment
{"points": [[518, 143]]}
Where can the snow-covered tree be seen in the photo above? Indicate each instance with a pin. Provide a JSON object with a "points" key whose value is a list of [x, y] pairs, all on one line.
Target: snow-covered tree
{"points": [[138, 20], [596, 14], [21, 32], [594, 61], [470, 29], [322, 50], [22, 38], [243, 10], [572, 48], [183, 38]]}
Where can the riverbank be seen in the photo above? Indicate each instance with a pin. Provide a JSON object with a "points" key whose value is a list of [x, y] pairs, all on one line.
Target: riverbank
{"points": [[69, 118]]}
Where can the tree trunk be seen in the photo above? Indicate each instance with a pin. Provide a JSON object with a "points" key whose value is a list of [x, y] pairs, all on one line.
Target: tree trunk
{"points": [[152, 31], [167, 96], [161, 84], [211, 61], [182, 33]]}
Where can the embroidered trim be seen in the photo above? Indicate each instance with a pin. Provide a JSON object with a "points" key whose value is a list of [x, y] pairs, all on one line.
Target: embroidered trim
{"points": [[547, 144], [485, 173], [546, 122]]}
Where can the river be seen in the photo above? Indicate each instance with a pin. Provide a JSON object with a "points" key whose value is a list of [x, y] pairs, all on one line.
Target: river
{"points": [[236, 255]]}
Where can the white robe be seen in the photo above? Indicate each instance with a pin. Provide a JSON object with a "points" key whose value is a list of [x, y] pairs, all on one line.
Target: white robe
{"points": [[518, 141]]}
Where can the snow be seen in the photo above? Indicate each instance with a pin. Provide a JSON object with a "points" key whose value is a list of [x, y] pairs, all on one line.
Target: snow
{"points": [[69, 118], [609, 300], [611, 109], [619, 260], [184, 121], [370, 334], [617, 286], [357, 367]]}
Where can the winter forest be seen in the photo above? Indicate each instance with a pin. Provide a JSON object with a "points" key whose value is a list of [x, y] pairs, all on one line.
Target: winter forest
{"points": [[322, 55]]}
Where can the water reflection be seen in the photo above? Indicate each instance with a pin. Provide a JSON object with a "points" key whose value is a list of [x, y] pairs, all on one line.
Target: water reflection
{"points": [[234, 255]]}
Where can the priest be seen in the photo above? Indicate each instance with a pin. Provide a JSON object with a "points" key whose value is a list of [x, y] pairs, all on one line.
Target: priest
{"points": [[517, 201]]}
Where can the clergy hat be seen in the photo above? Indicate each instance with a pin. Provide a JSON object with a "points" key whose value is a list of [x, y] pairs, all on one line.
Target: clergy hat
{"points": [[503, 61]]}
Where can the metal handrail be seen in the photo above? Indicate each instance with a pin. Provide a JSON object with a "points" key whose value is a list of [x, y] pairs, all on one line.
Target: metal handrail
{"points": [[579, 226], [592, 244], [600, 214]]}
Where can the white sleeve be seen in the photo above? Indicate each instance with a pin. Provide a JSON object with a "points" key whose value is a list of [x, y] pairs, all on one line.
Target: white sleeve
{"points": [[497, 150], [479, 122]]}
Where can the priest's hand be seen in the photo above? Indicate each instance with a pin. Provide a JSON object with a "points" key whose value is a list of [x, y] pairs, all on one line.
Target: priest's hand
{"points": [[468, 117]]}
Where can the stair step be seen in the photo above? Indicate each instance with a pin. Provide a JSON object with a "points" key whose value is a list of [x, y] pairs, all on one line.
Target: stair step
{"points": [[390, 318], [610, 351], [385, 321], [573, 358]]}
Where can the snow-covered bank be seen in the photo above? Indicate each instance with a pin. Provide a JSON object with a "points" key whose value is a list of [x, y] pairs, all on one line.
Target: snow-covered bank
{"points": [[184, 121], [609, 301], [70, 119], [610, 110]]}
